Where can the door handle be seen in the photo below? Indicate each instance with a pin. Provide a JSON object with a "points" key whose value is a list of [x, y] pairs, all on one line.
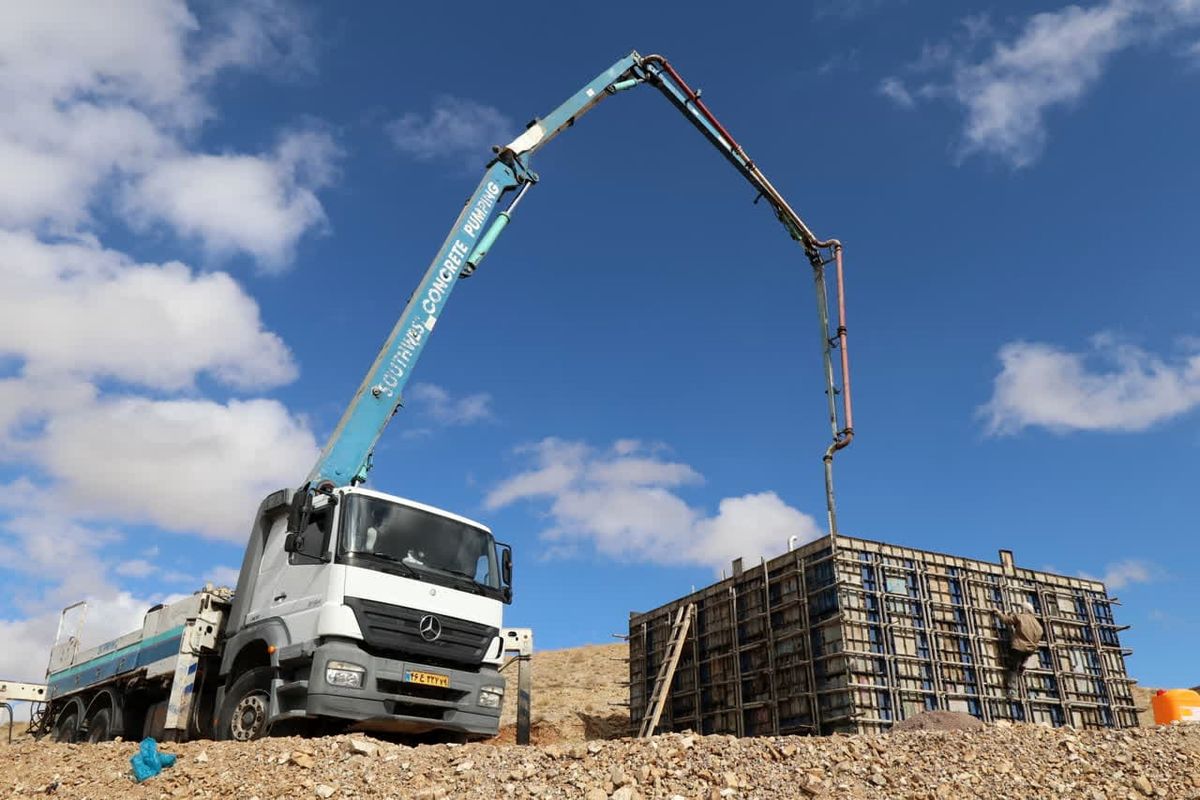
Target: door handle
{"points": [[279, 597]]}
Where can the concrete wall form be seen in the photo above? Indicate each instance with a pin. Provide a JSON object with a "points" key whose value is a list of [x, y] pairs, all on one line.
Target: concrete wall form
{"points": [[849, 635]]}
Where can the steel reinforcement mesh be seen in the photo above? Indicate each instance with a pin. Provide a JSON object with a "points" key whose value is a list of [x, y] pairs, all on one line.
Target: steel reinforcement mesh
{"points": [[849, 635]]}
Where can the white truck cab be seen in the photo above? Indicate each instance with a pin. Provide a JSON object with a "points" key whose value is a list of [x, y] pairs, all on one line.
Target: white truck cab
{"points": [[379, 611]]}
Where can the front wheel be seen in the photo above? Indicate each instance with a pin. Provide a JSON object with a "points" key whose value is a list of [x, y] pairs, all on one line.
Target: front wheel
{"points": [[244, 712]]}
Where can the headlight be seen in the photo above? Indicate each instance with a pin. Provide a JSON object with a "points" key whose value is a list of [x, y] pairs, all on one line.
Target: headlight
{"points": [[491, 696], [343, 673]]}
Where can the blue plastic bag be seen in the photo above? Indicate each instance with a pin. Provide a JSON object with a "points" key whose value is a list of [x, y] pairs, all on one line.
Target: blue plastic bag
{"points": [[148, 762]]}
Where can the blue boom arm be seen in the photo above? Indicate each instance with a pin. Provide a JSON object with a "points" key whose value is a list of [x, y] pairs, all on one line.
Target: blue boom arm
{"points": [[346, 457]]}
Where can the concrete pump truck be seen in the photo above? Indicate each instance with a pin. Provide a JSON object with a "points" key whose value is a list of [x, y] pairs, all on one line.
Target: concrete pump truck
{"points": [[357, 608]]}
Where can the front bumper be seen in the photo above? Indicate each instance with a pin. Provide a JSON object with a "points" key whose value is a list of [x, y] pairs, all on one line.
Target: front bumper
{"points": [[387, 702]]}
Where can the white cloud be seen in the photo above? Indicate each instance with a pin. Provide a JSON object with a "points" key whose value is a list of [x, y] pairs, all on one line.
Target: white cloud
{"points": [[55, 158], [62, 49], [442, 407], [893, 88], [559, 464], [1115, 387], [624, 447], [224, 576], [91, 107], [135, 568], [37, 538], [645, 471], [109, 615], [186, 465], [1121, 574], [99, 315], [621, 502], [1053, 62], [260, 205], [256, 33], [1125, 573], [763, 522], [455, 128], [96, 111], [104, 102]]}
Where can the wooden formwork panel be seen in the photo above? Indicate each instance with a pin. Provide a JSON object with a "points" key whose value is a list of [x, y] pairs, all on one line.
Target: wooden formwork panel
{"points": [[718, 669], [792, 648], [758, 688], [797, 715], [833, 707], [682, 706], [793, 681], [719, 722], [756, 658], [788, 618], [685, 680], [718, 696], [831, 672], [758, 721], [846, 634], [753, 630]]}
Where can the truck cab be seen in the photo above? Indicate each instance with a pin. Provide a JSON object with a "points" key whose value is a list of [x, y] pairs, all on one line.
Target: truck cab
{"points": [[363, 607]]}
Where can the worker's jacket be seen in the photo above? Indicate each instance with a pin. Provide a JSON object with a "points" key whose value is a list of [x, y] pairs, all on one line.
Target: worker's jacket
{"points": [[1025, 631]]}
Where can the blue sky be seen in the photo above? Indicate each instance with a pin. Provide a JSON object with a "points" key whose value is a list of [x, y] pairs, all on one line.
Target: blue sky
{"points": [[215, 214]]}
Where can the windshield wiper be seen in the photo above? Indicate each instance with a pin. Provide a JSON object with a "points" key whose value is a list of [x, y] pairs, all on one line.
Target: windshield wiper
{"points": [[407, 569], [465, 578], [468, 575]]}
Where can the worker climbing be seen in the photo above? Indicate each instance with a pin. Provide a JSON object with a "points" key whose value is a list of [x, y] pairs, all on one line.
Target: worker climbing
{"points": [[1022, 635]]}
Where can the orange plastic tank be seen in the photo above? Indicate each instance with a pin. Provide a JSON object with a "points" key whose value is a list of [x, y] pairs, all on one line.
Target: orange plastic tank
{"points": [[1176, 705]]}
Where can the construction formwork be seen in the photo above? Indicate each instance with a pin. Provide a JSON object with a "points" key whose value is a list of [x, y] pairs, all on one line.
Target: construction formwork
{"points": [[849, 635]]}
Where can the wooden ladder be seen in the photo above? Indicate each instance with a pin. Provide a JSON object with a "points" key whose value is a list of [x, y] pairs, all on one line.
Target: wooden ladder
{"points": [[666, 672]]}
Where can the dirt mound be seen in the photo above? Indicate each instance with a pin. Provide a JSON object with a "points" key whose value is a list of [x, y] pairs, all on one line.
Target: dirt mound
{"points": [[939, 721], [578, 694]]}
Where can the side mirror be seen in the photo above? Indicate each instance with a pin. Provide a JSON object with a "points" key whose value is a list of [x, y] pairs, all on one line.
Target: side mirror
{"points": [[506, 566], [299, 512]]}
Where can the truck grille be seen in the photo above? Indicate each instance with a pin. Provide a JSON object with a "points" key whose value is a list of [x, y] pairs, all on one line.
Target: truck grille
{"points": [[397, 629]]}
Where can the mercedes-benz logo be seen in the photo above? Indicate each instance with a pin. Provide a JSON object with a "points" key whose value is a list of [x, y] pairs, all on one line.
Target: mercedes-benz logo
{"points": [[430, 627]]}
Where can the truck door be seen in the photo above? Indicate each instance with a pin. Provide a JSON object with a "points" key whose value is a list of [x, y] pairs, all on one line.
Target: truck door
{"points": [[293, 585]]}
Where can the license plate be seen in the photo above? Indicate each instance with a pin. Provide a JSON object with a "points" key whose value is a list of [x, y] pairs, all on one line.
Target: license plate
{"points": [[427, 678]]}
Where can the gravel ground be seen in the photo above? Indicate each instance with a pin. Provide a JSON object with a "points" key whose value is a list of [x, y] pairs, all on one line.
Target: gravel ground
{"points": [[999, 762]]}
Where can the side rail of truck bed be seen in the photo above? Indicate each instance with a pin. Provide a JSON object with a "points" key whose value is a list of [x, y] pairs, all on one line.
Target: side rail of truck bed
{"points": [[161, 660]]}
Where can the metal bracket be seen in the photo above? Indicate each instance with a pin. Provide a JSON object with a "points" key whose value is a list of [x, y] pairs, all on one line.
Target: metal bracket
{"points": [[519, 641], [11, 690]]}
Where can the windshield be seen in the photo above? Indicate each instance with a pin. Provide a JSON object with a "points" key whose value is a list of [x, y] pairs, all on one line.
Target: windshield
{"points": [[424, 542]]}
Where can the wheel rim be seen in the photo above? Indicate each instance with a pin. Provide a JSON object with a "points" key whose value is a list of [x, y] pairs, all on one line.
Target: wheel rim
{"points": [[249, 717]]}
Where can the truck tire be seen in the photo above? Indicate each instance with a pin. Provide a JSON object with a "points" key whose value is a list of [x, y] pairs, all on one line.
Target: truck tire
{"points": [[99, 727], [66, 726], [244, 712]]}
